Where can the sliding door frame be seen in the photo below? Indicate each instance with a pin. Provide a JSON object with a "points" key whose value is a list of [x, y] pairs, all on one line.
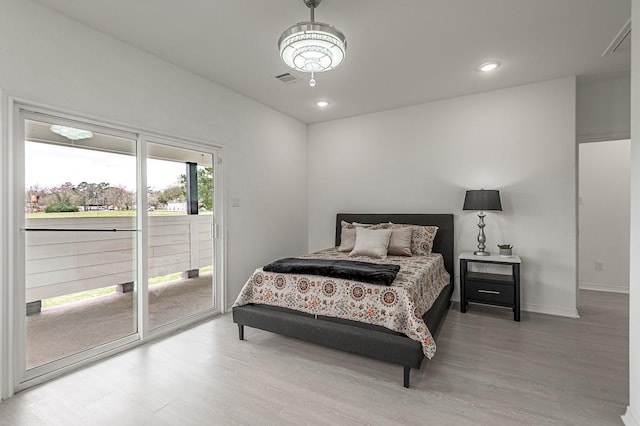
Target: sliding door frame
{"points": [[21, 114], [6, 292], [13, 374], [219, 279]]}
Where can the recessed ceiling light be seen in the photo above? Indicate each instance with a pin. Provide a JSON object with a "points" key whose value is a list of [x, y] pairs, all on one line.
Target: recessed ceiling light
{"points": [[322, 104], [489, 66]]}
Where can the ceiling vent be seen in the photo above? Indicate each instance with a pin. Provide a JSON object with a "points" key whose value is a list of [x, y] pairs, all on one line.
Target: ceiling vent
{"points": [[622, 41], [288, 78]]}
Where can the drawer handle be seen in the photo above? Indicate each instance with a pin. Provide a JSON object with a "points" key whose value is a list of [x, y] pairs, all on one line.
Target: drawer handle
{"points": [[489, 291]]}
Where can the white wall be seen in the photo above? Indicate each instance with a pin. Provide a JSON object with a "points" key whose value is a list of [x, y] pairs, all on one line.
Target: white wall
{"points": [[604, 215], [422, 159], [49, 58], [602, 107], [632, 416]]}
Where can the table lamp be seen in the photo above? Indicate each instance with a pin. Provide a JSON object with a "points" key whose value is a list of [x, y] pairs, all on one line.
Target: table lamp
{"points": [[482, 200]]}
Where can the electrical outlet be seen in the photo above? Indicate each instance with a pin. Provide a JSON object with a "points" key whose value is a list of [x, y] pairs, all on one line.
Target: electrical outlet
{"points": [[599, 265]]}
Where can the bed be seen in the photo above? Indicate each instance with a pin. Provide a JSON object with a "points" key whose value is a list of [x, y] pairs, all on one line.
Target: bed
{"points": [[358, 337]]}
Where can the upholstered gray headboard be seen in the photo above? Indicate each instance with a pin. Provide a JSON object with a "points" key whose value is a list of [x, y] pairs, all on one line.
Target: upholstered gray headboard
{"points": [[442, 244]]}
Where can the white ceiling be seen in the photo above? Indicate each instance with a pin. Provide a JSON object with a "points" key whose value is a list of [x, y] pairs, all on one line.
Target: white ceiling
{"points": [[400, 52]]}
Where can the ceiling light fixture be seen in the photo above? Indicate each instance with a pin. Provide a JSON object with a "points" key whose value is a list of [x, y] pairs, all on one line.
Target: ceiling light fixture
{"points": [[71, 133], [489, 66], [312, 46], [322, 104]]}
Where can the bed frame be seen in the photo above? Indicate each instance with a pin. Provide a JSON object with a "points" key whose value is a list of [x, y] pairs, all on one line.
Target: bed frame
{"points": [[364, 339]]}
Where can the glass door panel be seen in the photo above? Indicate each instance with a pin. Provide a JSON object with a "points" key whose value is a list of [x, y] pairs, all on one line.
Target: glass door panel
{"points": [[180, 248], [80, 240]]}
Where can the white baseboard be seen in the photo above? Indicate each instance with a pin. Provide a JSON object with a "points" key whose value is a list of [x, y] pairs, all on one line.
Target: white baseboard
{"points": [[551, 310], [602, 137], [601, 287], [629, 418]]}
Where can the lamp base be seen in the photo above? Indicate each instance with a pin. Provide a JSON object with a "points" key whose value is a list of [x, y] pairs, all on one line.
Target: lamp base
{"points": [[482, 253]]}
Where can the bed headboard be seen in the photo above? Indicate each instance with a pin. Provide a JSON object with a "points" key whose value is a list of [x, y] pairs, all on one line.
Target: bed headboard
{"points": [[443, 242]]}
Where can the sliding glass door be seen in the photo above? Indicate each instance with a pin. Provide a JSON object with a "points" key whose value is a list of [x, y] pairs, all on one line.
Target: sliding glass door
{"points": [[180, 245], [80, 239], [100, 264]]}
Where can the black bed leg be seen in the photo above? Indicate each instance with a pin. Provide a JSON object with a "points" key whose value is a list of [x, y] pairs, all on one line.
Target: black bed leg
{"points": [[241, 331], [407, 372]]}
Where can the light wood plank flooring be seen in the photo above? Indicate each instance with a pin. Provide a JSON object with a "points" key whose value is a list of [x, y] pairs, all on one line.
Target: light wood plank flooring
{"points": [[489, 370]]}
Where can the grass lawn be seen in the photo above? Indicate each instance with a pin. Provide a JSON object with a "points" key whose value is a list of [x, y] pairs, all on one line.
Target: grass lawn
{"points": [[69, 298]]}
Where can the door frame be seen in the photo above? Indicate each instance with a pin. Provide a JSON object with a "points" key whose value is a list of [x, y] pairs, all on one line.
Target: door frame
{"points": [[13, 110]]}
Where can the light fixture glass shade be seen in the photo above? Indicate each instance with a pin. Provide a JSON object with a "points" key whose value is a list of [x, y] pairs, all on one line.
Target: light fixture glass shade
{"points": [[71, 133], [312, 47]]}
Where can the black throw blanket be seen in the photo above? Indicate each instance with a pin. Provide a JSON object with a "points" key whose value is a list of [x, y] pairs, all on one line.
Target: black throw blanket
{"points": [[373, 273]]}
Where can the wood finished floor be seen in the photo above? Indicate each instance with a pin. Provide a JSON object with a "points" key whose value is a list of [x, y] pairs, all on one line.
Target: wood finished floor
{"points": [[489, 370]]}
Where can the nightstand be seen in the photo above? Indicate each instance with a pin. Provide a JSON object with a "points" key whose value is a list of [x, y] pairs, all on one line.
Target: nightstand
{"points": [[487, 288]]}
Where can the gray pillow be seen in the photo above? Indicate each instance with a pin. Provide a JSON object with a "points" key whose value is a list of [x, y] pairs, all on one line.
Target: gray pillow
{"points": [[347, 239], [400, 242]]}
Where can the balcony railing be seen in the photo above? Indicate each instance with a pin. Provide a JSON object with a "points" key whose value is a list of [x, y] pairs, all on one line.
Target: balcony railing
{"points": [[60, 263]]}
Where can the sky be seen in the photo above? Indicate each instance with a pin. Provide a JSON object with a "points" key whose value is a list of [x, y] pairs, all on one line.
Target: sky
{"points": [[51, 165]]}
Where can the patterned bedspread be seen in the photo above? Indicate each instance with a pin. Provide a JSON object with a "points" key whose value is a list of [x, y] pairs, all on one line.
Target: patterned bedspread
{"points": [[398, 307]]}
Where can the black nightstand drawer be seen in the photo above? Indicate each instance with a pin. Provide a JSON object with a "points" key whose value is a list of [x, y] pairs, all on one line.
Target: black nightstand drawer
{"points": [[489, 292]]}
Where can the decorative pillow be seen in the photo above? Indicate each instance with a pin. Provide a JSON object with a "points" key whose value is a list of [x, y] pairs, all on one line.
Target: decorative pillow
{"points": [[348, 235], [400, 241], [345, 224], [382, 225], [372, 243], [347, 239], [422, 239]]}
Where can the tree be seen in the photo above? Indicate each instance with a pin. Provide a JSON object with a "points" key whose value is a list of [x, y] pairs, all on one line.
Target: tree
{"points": [[170, 194], [67, 197], [118, 197], [83, 190], [152, 198], [205, 187], [65, 194]]}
